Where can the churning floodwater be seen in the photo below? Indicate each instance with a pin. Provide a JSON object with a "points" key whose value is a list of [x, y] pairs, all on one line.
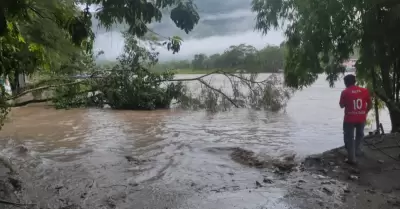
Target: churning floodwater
{"points": [[100, 158]]}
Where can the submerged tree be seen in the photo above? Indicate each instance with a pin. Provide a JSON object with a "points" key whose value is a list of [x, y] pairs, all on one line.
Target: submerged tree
{"points": [[53, 39], [129, 84], [323, 34]]}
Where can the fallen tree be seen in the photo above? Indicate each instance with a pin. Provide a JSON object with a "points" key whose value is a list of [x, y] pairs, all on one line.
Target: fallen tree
{"points": [[130, 85], [127, 85]]}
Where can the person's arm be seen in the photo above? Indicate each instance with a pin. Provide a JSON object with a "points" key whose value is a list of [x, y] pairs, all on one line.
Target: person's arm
{"points": [[342, 99]]}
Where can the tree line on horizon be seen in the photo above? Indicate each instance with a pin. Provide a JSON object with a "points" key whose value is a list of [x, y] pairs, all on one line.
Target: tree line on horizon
{"points": [[237, 57]]}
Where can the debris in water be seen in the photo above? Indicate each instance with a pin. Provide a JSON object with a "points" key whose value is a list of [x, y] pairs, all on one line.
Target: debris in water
{"points": [[258, 184], [72, 206], [394, 202], [246, 157], [135, 160], [133, 184], [290, 157], [320, 203], [381, 161], [319, 176], [324, 171], [17, 184], [268, 181], [355, 171], [83, 195], [353, 177], [220, 189], [58, 187], [326, 182], [284, 165], [21, 149], [129, 158], [327, 190]]}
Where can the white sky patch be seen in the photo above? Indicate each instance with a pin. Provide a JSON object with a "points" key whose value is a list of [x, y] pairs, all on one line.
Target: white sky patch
{"points": [[234, 14], [112, 44], [92, 8]]}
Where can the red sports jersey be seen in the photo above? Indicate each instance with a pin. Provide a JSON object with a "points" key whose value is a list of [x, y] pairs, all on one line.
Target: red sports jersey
{"points": [[355, 100]]}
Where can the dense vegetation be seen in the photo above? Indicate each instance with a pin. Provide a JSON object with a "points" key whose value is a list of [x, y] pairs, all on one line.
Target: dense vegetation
{"points": [[241, 57], [236, 58], [52, 41], [322, 34]]}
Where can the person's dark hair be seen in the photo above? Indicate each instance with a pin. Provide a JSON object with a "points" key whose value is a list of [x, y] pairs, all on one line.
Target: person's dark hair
{"points": [[349, 80]]}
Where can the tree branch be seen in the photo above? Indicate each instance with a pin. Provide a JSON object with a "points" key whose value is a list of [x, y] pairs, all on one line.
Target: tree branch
{"points": [[219, 91], [14, 204], [390, 103], [44, 87], [38, 13], [93, 75], [388, 3], [20, 104]]}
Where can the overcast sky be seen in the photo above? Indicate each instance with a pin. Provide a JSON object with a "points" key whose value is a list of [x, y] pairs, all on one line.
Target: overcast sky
{"points": [[216, 31]]}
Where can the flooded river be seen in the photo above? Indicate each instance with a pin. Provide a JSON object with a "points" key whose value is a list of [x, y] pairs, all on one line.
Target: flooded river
{"points": [[167, 158]]}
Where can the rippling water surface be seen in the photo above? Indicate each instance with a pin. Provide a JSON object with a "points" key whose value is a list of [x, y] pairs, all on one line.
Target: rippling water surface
{"points": [[166, 158]]}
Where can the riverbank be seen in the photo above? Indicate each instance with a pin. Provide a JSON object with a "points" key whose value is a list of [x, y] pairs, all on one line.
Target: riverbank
{"points": [[11, 185], [373, 182]]}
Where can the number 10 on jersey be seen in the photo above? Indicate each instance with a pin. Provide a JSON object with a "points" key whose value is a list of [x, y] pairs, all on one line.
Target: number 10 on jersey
{"points": [[358, 104]]}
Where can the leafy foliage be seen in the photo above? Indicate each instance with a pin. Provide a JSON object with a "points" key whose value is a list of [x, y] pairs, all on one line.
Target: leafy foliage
{"points": [[53, 39], [323, 34], [136, 14], [130, 85]]}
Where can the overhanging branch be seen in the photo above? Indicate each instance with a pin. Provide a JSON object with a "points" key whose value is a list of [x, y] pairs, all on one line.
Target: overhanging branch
{"points": [[219, 91], [43, 88]]}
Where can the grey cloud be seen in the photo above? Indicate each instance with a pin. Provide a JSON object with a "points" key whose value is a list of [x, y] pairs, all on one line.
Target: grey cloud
{"points": [[222, 24]]}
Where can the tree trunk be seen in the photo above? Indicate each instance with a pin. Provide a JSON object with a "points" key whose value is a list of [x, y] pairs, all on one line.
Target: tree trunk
{"points": [[395, 119]]}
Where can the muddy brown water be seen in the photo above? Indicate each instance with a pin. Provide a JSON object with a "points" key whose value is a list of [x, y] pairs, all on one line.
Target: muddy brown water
{"points": [[93, 158]]}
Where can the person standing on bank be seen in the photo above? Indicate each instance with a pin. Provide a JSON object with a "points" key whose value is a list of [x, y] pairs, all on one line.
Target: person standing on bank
{"points": [[356, 102]]}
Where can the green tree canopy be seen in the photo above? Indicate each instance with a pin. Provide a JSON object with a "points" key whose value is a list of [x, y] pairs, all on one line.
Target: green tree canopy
{"points": [[322, 34]]}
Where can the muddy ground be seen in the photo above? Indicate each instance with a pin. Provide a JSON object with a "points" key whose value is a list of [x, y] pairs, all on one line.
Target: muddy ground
{"points": [[319, 181], [373, 182]]}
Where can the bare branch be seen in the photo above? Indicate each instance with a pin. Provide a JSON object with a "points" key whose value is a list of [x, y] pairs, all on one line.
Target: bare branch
{"points": [[15, 204], [219, 91], [20, 104], [45, 87]]}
